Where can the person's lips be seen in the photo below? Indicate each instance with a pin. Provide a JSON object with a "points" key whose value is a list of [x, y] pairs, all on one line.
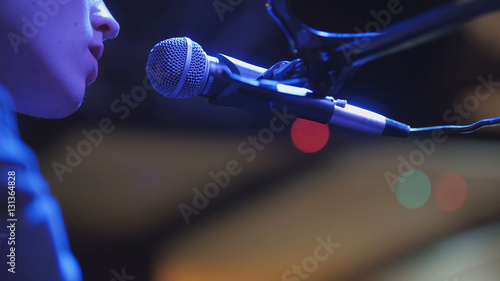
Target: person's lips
{"points": [[96, 51]]}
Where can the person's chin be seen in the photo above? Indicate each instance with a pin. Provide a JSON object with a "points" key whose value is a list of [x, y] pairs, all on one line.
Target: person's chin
{"points": [[54, 108], [52, 112], [67, 111], [69, 103], [64, 111]]}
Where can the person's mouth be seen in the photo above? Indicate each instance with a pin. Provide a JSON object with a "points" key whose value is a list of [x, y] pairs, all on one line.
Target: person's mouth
{"points": [[96, 51]]}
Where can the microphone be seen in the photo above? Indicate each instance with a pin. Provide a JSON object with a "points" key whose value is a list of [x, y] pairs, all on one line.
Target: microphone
{"points": [[180, 68]]}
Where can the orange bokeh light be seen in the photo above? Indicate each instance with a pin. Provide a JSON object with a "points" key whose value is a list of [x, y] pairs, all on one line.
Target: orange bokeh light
{"points": [[451, 191]]}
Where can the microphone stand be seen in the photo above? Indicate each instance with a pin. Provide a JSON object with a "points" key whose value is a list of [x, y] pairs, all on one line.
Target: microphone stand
{"points": [[326, 64]]}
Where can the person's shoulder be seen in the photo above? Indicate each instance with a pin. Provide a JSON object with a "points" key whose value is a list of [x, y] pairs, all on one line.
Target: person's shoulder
{"points": [[8, 122], [11, 146], [13, 151]]}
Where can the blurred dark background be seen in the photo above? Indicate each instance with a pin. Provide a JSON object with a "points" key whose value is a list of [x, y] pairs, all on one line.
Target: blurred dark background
{"points": [[121, 202]]}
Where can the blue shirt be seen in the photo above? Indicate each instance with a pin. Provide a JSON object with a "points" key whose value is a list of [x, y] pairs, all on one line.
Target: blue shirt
{"points": [[33, 240]]}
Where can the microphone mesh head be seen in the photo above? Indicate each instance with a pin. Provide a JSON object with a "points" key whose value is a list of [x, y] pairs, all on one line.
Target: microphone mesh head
{"points": [[177, 68]]}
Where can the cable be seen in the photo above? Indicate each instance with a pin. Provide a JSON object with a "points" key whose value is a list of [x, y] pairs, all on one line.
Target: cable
{"points": [[458, 129]]}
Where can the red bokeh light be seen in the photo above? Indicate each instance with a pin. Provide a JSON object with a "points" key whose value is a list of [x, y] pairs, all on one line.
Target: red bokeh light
{"points": [[309, 136]]}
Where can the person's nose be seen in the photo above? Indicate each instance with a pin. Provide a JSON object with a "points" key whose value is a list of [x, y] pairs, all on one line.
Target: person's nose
{"points": [[102, 20]]}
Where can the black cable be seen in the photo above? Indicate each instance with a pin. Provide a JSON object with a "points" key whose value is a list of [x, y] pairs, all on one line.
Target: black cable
{"points": [[458, 129]]}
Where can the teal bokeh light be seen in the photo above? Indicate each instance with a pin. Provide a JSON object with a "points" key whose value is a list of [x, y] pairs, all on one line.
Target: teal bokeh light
{"points": [[413, 189]]}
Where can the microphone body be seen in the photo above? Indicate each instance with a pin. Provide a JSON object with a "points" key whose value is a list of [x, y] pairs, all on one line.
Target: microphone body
{"points": [[225, 64], [179, 68]]}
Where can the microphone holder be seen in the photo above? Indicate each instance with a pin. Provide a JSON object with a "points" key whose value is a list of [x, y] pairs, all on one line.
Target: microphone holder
{"points": [[264, 95], [328, 61]]}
